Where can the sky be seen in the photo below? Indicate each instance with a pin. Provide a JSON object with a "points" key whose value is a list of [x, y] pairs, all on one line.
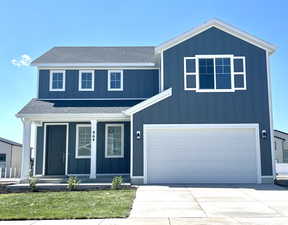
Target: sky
{"points": [[29, 28]]}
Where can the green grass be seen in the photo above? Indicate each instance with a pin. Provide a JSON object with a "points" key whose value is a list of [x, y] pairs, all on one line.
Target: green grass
{"points": [[64, 205]]}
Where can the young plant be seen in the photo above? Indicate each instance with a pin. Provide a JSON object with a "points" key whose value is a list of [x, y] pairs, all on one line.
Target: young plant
{"points": [[117, 183], [32, 184], [73, 183]]}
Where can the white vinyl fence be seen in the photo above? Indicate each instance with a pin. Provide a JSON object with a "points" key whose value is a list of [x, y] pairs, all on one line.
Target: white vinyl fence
{"points": [[6, 172], [282, 169]]}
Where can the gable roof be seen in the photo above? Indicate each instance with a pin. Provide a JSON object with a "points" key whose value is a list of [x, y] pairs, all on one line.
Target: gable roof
{"points": [[98, 56], [10, 142], [222, 26]]}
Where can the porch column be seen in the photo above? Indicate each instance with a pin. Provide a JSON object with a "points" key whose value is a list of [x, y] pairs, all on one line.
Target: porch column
{"points": [[25, 160], [93, 159]]}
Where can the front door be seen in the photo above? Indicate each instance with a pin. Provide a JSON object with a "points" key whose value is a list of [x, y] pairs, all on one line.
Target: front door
{"points": [[55, 149]]}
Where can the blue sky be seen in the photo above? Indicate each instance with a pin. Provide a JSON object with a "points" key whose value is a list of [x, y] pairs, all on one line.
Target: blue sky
{"points": [[33, 27]]}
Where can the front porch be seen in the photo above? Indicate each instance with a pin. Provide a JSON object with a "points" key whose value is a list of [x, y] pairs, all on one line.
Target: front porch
{"points": [[94, 150]]}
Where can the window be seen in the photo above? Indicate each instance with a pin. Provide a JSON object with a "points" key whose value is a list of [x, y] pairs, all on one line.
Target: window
{"points": [[57, 80], [239, 73], [115, 80], [2, 161], [86, 80], [83, 141], [218, 73], [114, 141], [2, 157]]}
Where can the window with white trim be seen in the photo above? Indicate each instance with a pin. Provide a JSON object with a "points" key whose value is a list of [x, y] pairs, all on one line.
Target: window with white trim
{"points": [[83, 141], [86, 80], [115, 80], [214, 73], [114, 141], [57, 80]]}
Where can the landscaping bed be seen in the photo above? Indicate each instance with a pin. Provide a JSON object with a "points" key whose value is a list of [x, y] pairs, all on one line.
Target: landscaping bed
{"points": [[67, 204]]}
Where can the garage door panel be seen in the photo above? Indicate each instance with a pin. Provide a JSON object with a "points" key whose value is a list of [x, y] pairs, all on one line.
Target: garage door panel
{"points": [[201, 155]]}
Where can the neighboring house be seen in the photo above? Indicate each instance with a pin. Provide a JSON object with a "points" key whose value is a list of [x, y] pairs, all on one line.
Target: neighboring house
{"points": [[195, 109], [10, 156], [281, 146]]}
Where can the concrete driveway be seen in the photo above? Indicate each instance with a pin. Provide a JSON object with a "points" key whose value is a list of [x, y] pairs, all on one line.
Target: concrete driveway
{"points": [[217, 204]]}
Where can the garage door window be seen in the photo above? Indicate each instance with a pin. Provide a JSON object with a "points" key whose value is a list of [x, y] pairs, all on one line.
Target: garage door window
{"points": [[114, 135]]}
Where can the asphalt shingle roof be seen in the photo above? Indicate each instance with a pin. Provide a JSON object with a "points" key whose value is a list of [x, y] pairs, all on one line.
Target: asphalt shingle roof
{"points": [[143, 54], [36, 106]]}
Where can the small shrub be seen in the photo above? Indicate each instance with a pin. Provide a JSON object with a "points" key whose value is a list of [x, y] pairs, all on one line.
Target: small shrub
{"points": [[117, 183], [32, 184], [73, 183]]}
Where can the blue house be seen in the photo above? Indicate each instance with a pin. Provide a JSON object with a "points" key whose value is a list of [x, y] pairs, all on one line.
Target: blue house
{"points": [[195, 109]]}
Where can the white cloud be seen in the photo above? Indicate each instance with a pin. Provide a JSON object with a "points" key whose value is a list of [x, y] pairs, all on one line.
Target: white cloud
{"points": [[24, 60]]}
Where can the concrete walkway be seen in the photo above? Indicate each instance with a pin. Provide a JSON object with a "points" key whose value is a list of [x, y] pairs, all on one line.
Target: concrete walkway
{"points": [[210, 205]]}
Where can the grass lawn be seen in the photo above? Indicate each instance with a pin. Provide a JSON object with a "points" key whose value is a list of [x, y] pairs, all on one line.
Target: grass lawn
{"points": [[64, 205]]}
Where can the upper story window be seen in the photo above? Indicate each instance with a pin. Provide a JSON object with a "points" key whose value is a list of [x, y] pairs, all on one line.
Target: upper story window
{"points": [[86, 80], [57, 80], [115, 80], [83, 141], [214, 73]]}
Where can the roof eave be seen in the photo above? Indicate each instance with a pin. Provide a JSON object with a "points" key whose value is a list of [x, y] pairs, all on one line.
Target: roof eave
{"points": [[106, 64]]}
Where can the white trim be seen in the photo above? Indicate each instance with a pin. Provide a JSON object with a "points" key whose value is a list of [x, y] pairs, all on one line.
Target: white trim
{"points": [[267, 176], [255, 126], [78, 175], [35, 147], [74, 116], [241, 73], [84, 99], [51, 80], [77, 142], [162, 73], [137, 177], [109, 80], [131, 145], [80, 88], [122, 140], [222, 26], [197, 75], [190, 73], [44, 147], [96, 68], [137, 64], [150, 101], [270, 113], [38, 82], [93, 160]]}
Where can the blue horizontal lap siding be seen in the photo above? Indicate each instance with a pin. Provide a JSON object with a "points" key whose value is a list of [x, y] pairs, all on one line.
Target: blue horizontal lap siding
{"points": [[136, 83], [190, 107]]}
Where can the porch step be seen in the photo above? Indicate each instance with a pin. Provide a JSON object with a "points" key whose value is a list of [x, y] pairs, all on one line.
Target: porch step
{"points": [[52, 180]]}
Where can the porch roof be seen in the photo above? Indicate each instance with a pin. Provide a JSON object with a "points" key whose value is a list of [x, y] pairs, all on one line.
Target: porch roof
{"points": [[82, 107]]}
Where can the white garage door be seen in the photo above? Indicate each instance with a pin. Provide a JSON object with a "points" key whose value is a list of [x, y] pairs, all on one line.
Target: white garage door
{"points": [[192, 154]]}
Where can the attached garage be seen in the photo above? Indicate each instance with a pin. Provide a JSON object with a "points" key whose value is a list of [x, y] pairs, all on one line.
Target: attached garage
{"points": [[209, 153]]}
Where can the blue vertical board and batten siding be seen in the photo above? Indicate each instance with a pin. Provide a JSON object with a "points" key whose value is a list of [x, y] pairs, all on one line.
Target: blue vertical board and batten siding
{"points": [[82, 166], [190, 107], [141, 83]]}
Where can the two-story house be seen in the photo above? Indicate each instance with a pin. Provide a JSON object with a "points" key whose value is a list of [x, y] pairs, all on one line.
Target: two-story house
{"points": [[195, 109]]}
